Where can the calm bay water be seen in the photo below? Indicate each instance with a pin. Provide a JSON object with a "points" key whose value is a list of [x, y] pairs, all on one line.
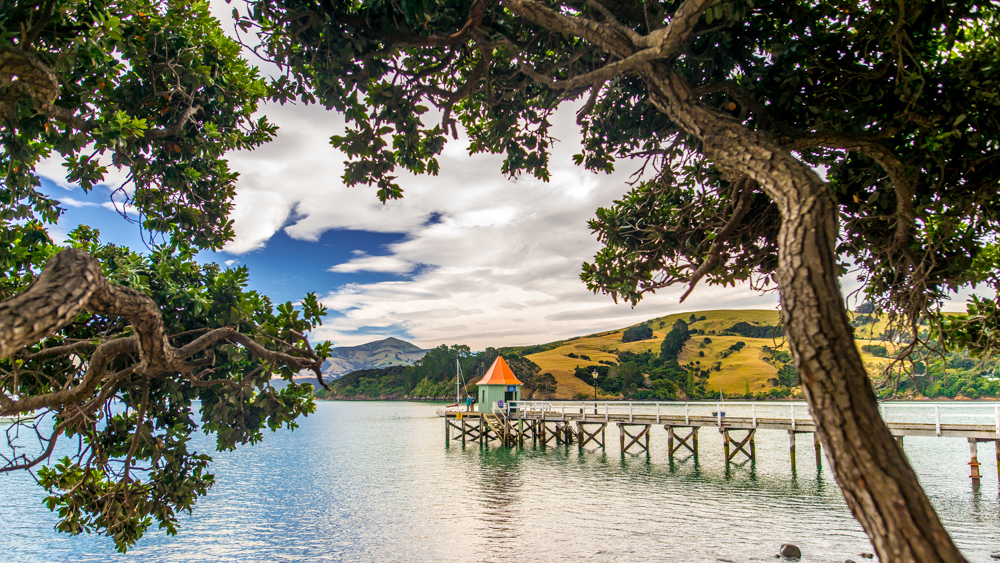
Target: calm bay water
{"points": [[365, 482]]}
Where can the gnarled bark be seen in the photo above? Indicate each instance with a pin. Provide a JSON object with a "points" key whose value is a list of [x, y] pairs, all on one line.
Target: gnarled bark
{"points": [[71, 283], [881, 488]]}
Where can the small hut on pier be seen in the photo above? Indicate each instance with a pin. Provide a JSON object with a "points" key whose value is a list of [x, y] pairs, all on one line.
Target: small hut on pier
{"points": [[499, 384]]}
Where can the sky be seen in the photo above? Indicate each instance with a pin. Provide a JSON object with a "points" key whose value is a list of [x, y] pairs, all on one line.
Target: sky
{"points": [[466, 257]]}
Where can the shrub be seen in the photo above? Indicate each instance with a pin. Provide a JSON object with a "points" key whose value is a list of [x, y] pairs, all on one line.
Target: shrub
{"points": [[637, 333], [748, 330], [877, 350]]}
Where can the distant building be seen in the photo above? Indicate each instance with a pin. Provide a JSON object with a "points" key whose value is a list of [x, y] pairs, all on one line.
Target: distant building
{"points": [[499, 384]]}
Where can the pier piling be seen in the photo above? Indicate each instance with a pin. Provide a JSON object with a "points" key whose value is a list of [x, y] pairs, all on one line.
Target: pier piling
{"points": [[690, 441], [974, 462], [584, 436], [819, 449], [739, 445], [623, 432], [791, 447]]}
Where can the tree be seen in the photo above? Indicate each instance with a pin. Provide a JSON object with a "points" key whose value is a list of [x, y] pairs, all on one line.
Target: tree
{"points": [[674, 340], [736, 105], [637, 333], [103, 345]]}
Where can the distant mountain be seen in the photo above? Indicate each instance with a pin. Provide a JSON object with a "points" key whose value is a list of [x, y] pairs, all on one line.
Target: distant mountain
{"points": [[372, 355]]}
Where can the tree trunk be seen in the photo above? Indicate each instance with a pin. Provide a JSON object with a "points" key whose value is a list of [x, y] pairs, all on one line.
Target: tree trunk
{"points": [[881, 488]]}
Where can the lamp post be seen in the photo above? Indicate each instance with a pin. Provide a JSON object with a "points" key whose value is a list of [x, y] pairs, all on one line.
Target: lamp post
{"points": [[595, 391]]}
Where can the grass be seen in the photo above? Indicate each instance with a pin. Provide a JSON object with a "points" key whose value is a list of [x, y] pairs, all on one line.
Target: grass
{"points": [[746, 367]]}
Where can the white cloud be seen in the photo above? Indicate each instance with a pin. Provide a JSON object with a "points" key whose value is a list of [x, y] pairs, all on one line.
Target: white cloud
{"points": [[502, 259], [72, 202], [365, 263], [499, 264], [52, 169], [122, 208]]}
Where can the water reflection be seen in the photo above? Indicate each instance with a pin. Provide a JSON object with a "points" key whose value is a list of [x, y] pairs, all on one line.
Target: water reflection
{"points": [[361, 482], [499, 483]]}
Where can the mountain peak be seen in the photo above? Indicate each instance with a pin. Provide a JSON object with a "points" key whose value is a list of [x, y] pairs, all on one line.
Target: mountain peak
{"points": [[383, 353]]}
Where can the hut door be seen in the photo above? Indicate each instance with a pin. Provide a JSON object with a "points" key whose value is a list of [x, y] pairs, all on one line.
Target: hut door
{"points": [[510, 394]]}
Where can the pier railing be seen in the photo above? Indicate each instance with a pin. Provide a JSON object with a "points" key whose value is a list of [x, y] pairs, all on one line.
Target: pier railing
{"points": [[984, 416]]}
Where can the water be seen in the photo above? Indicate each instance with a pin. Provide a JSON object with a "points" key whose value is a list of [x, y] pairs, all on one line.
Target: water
{"points": [[362, 482]]}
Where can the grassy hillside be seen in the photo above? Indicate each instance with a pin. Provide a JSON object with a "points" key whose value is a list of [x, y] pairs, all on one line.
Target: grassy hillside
{"points": [[740, 352], [739, 371]]}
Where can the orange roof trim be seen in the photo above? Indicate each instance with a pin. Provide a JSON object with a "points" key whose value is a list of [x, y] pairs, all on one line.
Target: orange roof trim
{"points": [[500, 374]]}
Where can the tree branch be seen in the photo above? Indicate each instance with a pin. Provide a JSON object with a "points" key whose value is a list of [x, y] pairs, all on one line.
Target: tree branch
{"points": [[665, 43], [902, 183], [71, 283], [739, 212]]}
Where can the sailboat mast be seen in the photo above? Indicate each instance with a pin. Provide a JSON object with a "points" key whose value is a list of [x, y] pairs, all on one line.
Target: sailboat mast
{"points": [[458, 386]]}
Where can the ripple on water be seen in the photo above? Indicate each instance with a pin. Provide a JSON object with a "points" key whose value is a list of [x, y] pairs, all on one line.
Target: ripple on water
{"points": [[362, 482]]}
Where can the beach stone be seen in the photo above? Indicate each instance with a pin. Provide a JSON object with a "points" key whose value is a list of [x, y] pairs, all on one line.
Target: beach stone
{"points": [[790, 550], [995, 555], [850, 561], [868, 555]]}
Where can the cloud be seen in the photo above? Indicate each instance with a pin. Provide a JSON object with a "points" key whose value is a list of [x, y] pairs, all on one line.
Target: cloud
{"points": [[52, 169], [499, 258], [365, 263], [72, 202], [121, 208]]}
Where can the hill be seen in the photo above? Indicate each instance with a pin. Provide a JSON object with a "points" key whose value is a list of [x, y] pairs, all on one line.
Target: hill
{"points": [[605, 346], [761, 365], [741, 353], [372, 355], [433, 377]]}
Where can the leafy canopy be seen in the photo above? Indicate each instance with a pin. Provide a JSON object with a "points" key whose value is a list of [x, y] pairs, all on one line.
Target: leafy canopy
{"points": [[156, 89], [897, 103]]}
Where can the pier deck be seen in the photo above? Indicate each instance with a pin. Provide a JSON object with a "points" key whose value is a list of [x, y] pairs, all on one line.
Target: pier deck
{"points": [[584, 422]]}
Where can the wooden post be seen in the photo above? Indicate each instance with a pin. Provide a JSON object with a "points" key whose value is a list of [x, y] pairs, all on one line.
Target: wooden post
{"points": [[791, 448], [642, 438], [585, 436], [675, 441], [740, 445], [463, 429], [899, 440], [997, 444], [819, 449], [974, 463]]}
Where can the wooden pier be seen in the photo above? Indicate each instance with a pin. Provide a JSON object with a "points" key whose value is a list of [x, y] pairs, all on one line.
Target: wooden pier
{"points": [[585, 423]]}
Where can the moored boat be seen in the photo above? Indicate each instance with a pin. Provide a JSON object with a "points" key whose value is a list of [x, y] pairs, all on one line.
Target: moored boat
{"points": [[459, 405]]}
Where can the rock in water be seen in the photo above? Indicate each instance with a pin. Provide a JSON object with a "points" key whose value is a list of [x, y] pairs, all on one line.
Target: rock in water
{"points": [[995, 555], [789, 550]]}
